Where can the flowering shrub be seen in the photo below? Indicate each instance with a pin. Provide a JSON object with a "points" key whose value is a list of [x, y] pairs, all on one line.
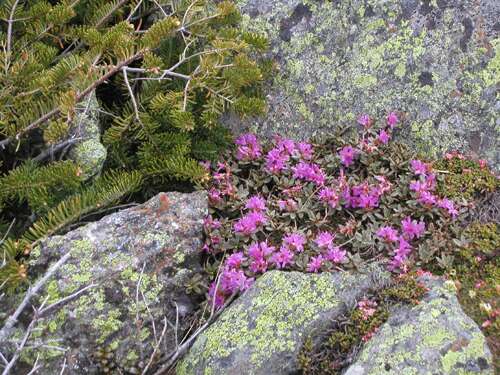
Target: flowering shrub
{"points": [[326, 205]]}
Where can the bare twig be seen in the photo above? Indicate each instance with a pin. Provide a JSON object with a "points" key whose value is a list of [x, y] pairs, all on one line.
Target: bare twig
{"points": [[4, 260], [132, 96], [8, 47], [165, 73], [35, 367], [156, 348], [55, 148], [173, 357], [71, 297], [32, 291], [25, 338]]}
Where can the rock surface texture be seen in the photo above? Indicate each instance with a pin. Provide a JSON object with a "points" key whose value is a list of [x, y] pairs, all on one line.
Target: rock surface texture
{"points": [[436, 62], [434, 337], [262, 332], [138, 261]]}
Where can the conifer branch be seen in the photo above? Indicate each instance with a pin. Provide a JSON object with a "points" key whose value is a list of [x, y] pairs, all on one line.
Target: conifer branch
{"points": [[10, 22]]}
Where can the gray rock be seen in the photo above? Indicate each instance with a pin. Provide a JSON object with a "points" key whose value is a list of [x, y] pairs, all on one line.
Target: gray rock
{"points": [[262, 332], [434, 337], [140, 261], [436, 62]]}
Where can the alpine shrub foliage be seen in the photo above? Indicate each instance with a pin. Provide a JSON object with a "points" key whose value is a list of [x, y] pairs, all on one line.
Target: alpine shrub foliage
{"points": [[331, 204], [163, 76]]}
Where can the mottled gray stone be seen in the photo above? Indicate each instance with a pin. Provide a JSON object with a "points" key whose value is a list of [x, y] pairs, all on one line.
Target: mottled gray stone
{"points": [[435, 62], [140, 261], [434, 337], [262, 332]]}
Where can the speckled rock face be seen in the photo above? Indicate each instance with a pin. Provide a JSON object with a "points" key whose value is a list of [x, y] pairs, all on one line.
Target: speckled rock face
{"points": [[437, 62], [262, 332], [139, 261], [434, 337]]}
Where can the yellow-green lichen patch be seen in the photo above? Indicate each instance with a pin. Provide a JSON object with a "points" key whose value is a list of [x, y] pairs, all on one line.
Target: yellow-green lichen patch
{"points": [[268, 322]]}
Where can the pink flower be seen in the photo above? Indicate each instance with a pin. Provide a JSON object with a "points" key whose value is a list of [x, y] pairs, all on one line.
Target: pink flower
{"points": [[205, 248], [235, 260], [367, 308], [260, 250], [430, 181], [392, 119], [449, 206], [276, 161], [324, 239], [214, 196], [305, 149], [248, 147], [309, 172], [258, 265], [347, 155], [287, 205], [388, 234], [295, 241], [364, 120], [256, 203], [335, 254], [418, 167], [249, 223], [412, 229], [286, 146], [418, 186], [329, 196], [315, 264], [218, 295], [210, 223], [427, 199], [282, 258], [383, 137]]}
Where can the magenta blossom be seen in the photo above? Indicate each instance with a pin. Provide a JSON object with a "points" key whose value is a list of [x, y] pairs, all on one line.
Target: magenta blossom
{"points": [[315, 264], [276, 161], [256, 203], [392, 119], [305, 149], [419, 167], [286, 146], [310, 172], [214, 196], [383, 137], [449, 206], [412, 229], [427, 198], [248, 147], [347, 155], [388, 234], [235, 260], [282, 258], [249, 223], [287, 205], [335, 254], [260, 250], [258, 265], [210, 223], [324, 239], [364, 120], [329, 196], [295, 241]]}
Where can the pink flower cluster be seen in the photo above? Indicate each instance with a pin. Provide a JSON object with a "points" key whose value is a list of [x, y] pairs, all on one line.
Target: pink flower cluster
{"points": [[367, 308], [223, 184], [425, 186], [328, 252], [411, 229], [364, 196], [253, 220], [309, 172], [249, 147], [277, 158]]}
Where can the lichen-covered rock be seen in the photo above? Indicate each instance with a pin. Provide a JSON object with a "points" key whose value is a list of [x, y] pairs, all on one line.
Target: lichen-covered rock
{"points": [[434, 337], [89, 153], [262, 332], [437, 62], [139, 261]]}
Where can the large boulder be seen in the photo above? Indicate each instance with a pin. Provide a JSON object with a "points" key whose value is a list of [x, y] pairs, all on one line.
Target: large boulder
{"points": [[435, 337], [436, 62], [138, 262], [262, 332]]}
